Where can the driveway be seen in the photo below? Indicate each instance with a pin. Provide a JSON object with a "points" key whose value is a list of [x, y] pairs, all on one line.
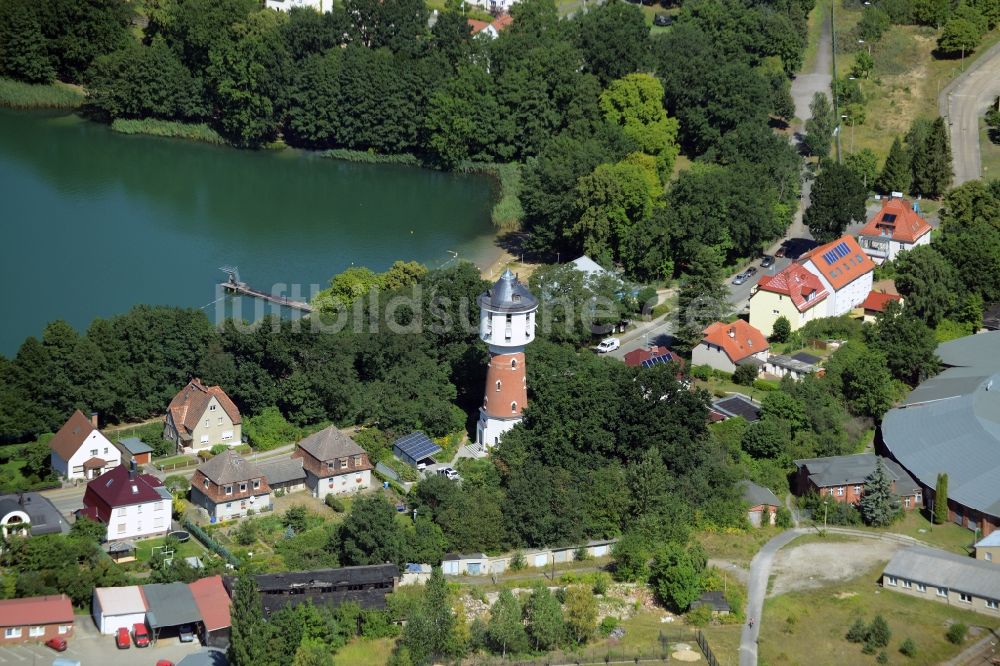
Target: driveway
{"points": [[963, 102]]}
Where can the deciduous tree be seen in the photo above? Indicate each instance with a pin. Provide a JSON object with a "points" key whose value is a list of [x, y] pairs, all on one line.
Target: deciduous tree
{"points": [[819, 126]]}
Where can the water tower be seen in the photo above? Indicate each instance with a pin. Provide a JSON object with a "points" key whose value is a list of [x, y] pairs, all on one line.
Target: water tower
{"points": [[506, 325]]}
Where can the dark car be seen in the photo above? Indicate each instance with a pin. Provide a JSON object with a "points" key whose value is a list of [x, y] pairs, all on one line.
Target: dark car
{"points": [[750, 272], [57, 644], [663, 20], [186, 633], [767, 261], [781, 251]]}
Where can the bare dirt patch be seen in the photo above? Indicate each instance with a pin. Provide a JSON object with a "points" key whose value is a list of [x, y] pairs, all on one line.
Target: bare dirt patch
{"points": [[814, 564]]}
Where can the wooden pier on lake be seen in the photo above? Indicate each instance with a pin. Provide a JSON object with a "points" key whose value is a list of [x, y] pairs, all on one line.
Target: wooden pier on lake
{"points": [[236, 286]]}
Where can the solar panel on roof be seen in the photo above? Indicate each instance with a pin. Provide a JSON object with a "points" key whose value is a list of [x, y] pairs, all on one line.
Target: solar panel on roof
{"points": [[889, 217], [417, 445], [657, 360]]}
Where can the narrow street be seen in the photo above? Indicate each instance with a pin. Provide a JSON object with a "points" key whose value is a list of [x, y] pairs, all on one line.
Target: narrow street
{"points": [[963, 102]]}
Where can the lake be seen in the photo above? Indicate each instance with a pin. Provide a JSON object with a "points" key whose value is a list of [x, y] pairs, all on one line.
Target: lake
{"points": [[95, 222]]}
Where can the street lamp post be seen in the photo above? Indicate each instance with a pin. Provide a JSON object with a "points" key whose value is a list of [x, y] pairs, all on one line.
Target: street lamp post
{"points": [[851, 121]]}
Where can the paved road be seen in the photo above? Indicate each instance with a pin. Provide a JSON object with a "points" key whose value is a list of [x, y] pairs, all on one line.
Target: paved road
{"points": [[963, 102], [819, 78], [760, 572]]}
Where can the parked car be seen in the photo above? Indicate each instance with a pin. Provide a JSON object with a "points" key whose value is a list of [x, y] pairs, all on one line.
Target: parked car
{"points": [[750, 272], [608, 345], [164, 662], [448, 472], [740, 279], [186, 633], [140, 634], [767, 261], [663, 20], [57, 644], [122, 639]]}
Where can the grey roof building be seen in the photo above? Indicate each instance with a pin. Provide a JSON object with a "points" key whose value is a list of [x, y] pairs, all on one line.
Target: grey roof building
{"points": [[946, 577], [366, 585], [330, 444], [758, 495], [135, 446], [43, 516], [849, 471], [169, 605], [951, 424], [283, 472], [737, 405]]}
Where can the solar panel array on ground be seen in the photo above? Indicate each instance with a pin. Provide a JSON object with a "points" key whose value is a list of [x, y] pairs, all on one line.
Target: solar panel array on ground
{"points": [[417, 446], [657, 360]]}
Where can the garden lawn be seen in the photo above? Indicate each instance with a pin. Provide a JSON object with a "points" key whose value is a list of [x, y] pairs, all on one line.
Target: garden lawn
{"points": [[362, 651], [948, 537], [191, 547], [724, 640], [736, 546], [808, 627]]}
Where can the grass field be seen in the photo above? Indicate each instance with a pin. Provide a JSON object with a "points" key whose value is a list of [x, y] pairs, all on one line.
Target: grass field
{"points": [[990, 153], [737, 546], [169, 128], [361, 651], [808, 627], [17, 95], [190, 548]]}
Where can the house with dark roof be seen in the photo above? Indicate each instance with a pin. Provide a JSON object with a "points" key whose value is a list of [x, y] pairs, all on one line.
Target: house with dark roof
{"points": [[724, 346], [948, 578], [133, 448], [646, 357], [199, 417], [334, 463], [284, 474], [779, 365], [949, 424], [35, 619], [845, 272], [763, 504], [733, 405], [228, 486], [80, 451], [130, 504], [793, 293], [895, 228], [842, 478], [30, 514], [367, 586]]}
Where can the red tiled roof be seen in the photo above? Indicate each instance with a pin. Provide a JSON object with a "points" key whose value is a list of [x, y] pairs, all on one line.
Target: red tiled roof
{"points": [[802, 287], [190, 403], [114, 488], [739, 339], [502, 22], [906, 227], [212, 601], [634, 358], [477, 26], [52, 609], [841, 261], [877, 301], [67, 441]]}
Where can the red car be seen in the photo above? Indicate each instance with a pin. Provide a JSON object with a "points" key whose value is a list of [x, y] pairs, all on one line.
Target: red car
{"points": [[57, 644], [164, 662], [140, 634], [122, 639]]}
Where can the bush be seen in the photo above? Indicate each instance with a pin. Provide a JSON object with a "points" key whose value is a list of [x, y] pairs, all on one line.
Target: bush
{"points": [[857, 632], [601, 584], [879, 632], [745, 375], [956, 633], [608, 624], [882, 658], [517, 562], [908, 648], [702, 372], [581, 554], [766, 385], [219, 448], [331, 501], [781, 329], [205, 455], [783, 518], [269, 429], [700, 616], [245, 533]]}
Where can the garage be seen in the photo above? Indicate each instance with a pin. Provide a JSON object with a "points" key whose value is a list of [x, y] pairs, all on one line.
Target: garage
{"points": [[115, 607], [170, 605]]}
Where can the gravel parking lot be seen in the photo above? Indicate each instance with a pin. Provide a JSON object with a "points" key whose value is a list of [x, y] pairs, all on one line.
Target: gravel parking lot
{"points": [[817, 564]]}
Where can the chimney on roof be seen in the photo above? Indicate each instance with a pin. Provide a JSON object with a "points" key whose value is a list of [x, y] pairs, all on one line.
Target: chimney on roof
{"points": [[732, 332], [131, 469], [93, 419]]}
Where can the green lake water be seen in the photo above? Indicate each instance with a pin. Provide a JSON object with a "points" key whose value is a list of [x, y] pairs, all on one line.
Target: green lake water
{"points": [[95, 222]]}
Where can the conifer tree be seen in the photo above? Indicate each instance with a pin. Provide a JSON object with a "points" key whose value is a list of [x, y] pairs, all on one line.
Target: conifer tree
{"points": [[936, 172], [248, 634], [941, 500], [878, 506], [895, 176]]}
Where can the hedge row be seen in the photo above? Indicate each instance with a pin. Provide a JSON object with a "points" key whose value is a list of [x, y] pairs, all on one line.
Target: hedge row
{"points": [[209, 542]]}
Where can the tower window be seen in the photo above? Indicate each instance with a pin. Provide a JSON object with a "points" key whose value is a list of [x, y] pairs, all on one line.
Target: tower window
{"points": [[513, 364], [498, 385], [513, 408]]}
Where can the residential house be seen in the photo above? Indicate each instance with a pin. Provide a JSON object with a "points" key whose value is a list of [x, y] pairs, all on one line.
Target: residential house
{"points": [[227, 486], [116, 607], [80, 451], [284, 475], [199, 417], [948, 578], [334, 463], [732, 406], [367, 586], [988, 549], [724, 346], [130, 504], [795, 293], [133, 448], [875, 304], [212, 600], [787, 366], [763, 503], [35, 619], [845, 273], [30, 514], [895, 228], [948, 424], [842, 478], [646, 357], [482, 29]]}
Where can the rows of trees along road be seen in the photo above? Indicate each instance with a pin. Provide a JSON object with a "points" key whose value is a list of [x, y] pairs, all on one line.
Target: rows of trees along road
{"points": [[596, 108]]}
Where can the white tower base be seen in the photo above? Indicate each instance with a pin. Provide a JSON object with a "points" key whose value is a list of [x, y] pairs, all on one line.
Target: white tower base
{"points": [[491, 429]]}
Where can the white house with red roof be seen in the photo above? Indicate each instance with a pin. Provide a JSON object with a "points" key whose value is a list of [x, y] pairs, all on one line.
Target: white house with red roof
{"points": [[725, 346], [132, 505], [199, 417], [794, 293], [895, 228], [845, 272], [80, 451], [491, 29]]}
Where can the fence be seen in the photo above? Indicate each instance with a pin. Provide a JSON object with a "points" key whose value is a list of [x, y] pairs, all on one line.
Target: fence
{"points": [[611, 655], [210, 543]]}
